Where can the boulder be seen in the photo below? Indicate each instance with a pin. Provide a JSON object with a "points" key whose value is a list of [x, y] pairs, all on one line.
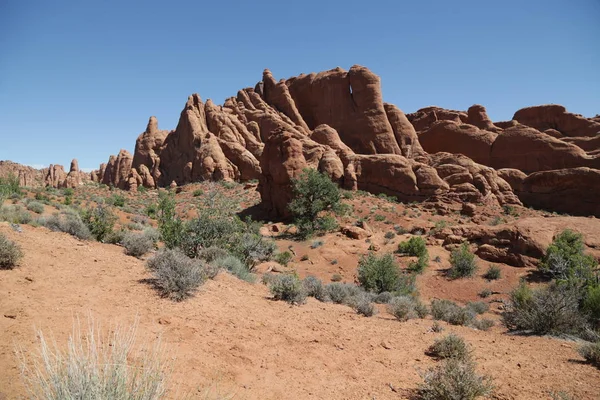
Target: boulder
{"points": [[557, 117]]}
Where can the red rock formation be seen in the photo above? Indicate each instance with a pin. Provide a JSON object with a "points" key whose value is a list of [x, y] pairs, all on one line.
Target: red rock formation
{"points": [[556, 117], [28, 176], [56, 176], [477, 115]]}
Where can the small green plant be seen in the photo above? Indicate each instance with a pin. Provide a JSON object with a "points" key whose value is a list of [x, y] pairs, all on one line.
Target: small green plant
{"points": [[415, 247], [67, 221], [485, 293], [437, 259], [389, 235], [67, 192], [437, 327], [482, 324], [284, 258], [142, 189], [493, 273], [236, 267], [198, 192], [565, 259], [497, 221], [116, 200], [450, 346], [304, 257], [288, 288], [316, 244], [10, 253], [378, 273], [462, 263], [8, 186], [379, 218], [342, 293], [170, 225], [336, 278]]}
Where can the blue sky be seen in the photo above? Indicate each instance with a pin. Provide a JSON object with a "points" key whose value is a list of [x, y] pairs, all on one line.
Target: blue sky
{"points": [[81, 78]]}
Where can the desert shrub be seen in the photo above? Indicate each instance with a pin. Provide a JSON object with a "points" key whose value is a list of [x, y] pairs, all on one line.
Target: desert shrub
{"points": [[437, 327], [485, 293], [14, 214], [415, 247], [419, 265], [236, 267], [462, 262], [10, 253], [336, 277], [197, 192], [378, 273], [316, 244], [176, 276], [284, 258], [341, 293], [482, 324], [315, 288], [288, 288], [383, 298], [406, 307], [138, 243], [170, 225], [36, 207], [553, 309], [99, 220], [8, 186], [478, 307], [565, 260], [450, 346], [389, 235], [591, 353], [116, 200], [151, 210], [493, 273], [454, 379], [591, 304], [363, 305], [69, 222], [446, 310], [211, 254], [95, 365], [252, 248], [313, 194]]}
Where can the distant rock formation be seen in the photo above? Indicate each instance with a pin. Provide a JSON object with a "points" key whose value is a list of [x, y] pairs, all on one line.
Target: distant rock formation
{"points": [[336, 121]]}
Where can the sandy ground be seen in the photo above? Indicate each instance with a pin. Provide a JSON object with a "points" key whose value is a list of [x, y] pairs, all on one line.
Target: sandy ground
{"points": [[233, 337]]}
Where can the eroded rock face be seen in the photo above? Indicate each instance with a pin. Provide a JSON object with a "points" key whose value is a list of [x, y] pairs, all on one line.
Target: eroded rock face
{"points": [[28, 176], [557, 117]]}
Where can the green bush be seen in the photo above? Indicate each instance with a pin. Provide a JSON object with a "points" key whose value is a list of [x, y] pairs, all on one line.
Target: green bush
{"points": [[383, 298], [36, 207], [313, 194], [454, 379], [315, 288], [378, 273], [450, 346], [591, 353], [446, 310], [9, 185], [198, 192], [284, 258], [252, 248], [341, 293], [236, 267], [176, 276], [591, 304], [169, 224], [493, 273], [565, 260], [389, 235], [482, 324], [10, 253], [116, 200], [211, 254], [553, 309], [462, 263], [415, 246], [99, 220], [288, 288], [139, 243]]}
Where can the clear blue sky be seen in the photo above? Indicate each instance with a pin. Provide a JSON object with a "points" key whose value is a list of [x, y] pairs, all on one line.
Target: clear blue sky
{"points": [[80, 78]]}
